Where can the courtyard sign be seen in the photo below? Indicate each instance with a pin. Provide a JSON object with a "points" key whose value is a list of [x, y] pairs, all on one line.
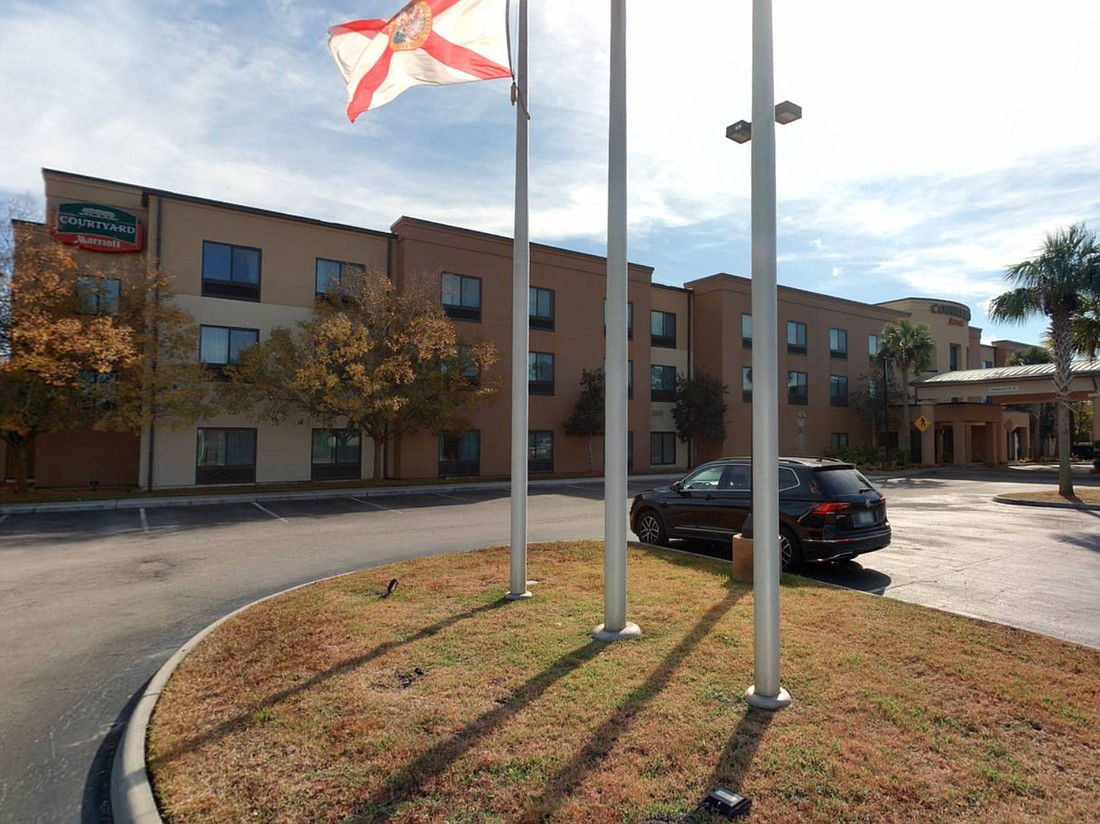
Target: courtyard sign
{"points": [[97, 227], [951, 309]]}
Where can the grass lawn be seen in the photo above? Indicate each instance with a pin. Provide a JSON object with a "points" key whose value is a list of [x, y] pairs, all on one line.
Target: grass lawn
{"points": [[1081, 495], [445, 703]]}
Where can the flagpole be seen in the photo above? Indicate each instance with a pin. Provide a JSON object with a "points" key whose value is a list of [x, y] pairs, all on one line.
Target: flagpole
{"points": [[615, 625], [766, 691], [521, 282]]}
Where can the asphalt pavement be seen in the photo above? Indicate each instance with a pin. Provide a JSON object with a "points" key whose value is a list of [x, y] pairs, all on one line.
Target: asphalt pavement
{"points": [[96, 600]]}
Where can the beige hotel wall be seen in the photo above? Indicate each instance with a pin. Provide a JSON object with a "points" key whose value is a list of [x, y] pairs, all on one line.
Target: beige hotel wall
{"points": [[289, 247], [424, 250], [283, 452], [720, 302]]}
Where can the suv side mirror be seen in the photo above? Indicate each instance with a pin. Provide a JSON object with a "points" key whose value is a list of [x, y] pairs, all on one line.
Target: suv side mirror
{"points": [[677, 487]]}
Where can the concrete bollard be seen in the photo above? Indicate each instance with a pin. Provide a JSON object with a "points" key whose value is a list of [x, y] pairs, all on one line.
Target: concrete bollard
{"points": [[742, 558]]}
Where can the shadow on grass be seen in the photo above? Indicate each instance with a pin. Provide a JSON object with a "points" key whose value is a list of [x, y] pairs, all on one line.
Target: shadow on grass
{"points": [[241, 719], [603, 740], [735, 760], [406, 784]]}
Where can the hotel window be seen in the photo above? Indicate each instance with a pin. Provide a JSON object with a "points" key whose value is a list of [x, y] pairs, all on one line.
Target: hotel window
{"points": [[838, 344], [541, 311], [460, 454], [874, 345], [746, 331], [662, 384], [230, 271], [463, 356], [629, 378], [797, 392], [330, 273], [796, 337], [225, 456], [953, 357], [746, 384], [98, 389], [662, 329], [540, 451], [98, 296], [662, 448], [462, 296], [629, 319], [336, 454], [540, 373], [838, 390], [838, 442], [220, 346]]}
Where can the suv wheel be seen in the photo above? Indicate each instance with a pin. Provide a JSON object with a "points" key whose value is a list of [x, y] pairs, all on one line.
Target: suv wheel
{"points": [[790, 549], [650, 529]]}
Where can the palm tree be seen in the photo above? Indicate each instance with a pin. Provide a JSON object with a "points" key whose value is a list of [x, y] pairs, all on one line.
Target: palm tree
{"points": [[911, 347], [1065, 271], [1029, 356], [1085, 327]]}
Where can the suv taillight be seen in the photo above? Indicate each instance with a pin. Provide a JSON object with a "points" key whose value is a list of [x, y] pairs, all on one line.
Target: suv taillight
{"points": [[830, 508]]}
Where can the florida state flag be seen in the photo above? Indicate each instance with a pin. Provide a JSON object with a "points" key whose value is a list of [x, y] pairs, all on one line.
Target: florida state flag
{"points": [[431, 42]]}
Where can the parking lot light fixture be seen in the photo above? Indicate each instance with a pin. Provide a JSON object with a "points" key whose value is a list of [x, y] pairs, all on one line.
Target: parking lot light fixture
{"points": [[787, 112], [739, 132]]}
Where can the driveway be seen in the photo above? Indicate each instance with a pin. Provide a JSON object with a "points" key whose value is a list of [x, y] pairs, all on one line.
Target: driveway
{"points": [[95, 602]]}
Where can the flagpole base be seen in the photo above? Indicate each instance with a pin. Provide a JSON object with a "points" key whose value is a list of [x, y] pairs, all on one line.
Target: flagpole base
{"points": [[631, 630], [518, 596], [768, 702]]}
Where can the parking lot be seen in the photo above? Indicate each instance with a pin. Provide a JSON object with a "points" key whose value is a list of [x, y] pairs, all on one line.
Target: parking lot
{"points": [[94, 602]]}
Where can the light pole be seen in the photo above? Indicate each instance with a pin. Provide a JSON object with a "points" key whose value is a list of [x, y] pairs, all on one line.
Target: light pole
{"points": [[885, 411], [766, 691]]}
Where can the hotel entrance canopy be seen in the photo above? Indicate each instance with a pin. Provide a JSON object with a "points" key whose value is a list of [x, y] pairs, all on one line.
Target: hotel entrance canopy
{"points": [[1009, 384]]}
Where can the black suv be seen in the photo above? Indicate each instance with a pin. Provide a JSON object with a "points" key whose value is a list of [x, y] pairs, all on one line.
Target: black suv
{"points": [[827, 510]]}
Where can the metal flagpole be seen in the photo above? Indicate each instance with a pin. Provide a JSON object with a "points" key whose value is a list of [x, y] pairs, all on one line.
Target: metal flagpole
{"points": [[766, 691], [615, 625], [521, 281]]}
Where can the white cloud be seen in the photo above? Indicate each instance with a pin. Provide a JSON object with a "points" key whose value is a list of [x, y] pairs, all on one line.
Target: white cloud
{"points": [[939, 142]]}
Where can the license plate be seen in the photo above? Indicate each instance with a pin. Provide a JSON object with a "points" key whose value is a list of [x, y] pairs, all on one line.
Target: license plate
{"points": [[864, 517]]}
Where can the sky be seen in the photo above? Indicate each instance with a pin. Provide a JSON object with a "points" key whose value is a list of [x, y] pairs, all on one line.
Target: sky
{"points": [[939, 143]]}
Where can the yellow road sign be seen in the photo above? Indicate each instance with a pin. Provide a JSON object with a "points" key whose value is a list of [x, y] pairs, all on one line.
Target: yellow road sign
{"points": [[922, 423]]}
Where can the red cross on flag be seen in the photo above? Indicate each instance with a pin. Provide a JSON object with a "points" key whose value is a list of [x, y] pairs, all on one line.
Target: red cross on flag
{"points": [[431, 42]]}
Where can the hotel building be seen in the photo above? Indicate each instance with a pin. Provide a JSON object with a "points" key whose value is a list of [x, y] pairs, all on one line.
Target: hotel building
{"points": [[241, 272]]}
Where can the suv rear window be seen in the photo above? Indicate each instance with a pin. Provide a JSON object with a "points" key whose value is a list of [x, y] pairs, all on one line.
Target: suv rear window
{"points": [[842, 481]]}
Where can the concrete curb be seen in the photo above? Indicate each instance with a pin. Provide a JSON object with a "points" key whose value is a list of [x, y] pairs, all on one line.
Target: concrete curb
{"points": [[132, 800], [1048, 504], [296, 495]]}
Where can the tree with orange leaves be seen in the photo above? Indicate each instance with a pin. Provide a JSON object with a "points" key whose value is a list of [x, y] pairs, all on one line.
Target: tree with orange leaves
{"points": [[371, 358], [87, 348]]}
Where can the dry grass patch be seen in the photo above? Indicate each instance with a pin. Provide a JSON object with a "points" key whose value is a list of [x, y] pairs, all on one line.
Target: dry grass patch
{"points": [[1082, 495], [445, 703]]}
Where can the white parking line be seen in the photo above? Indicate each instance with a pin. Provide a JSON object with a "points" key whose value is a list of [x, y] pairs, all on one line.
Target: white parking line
{"points": [[269, 512], [451, 497], [376, 506], [144, 520]]}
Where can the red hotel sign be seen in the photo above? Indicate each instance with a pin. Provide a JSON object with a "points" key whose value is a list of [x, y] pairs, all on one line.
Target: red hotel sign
{"points": [[97, 227]]}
